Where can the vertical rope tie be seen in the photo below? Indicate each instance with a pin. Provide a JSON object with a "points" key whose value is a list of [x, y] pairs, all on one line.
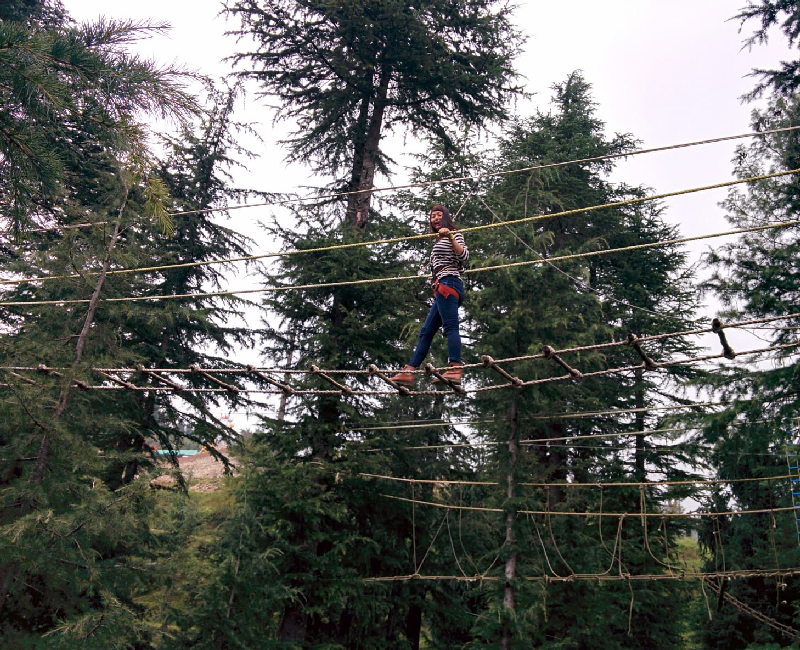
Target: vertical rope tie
{"points": [[160, 378], [430, 369], [199, 371], [718, 328], [634, 342], [27, 380], [550, 353], [315, 370], [374, 371], [49, 371], [489, 362], [287, 390], [117, 380]]}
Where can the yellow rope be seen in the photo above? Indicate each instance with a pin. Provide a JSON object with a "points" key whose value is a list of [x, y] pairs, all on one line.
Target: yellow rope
{"points": [[348, 283], [569, 513], [506, 172], [575, 485], [394, 240], [683, 575]]}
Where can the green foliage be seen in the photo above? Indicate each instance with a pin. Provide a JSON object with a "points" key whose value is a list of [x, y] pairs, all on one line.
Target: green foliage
{"points": [[784, 14], [59, 105], [327, 62]]}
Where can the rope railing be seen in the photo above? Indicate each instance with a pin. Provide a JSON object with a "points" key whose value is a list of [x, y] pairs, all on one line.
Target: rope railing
{"points": [[408, 238], [370, 281], [564, 484]]}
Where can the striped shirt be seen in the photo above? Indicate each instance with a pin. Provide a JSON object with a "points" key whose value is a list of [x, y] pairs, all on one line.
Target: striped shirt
{"points": [[444, 260]]}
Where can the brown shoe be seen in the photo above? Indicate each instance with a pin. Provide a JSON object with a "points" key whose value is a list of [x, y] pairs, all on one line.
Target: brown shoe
{"points": [[404, 378], [453, 373]]}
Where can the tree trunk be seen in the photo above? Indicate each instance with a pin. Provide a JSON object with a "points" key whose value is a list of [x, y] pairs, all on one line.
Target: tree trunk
{"points": [[510, 543], [557, 462], [287, 377], [358, 204], [293, 625], [63, 399], [641, 470], [10, 570], [413, 625]]}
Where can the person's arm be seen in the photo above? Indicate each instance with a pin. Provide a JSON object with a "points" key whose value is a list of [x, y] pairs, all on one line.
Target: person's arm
{"points": [[458, 248]]}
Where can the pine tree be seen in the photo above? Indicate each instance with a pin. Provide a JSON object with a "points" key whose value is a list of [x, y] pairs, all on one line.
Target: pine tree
{"points": [[349, 72], [76, 535], [755, 277], [58, 104]]}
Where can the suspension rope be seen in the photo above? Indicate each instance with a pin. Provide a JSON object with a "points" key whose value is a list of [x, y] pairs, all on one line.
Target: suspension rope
{"points": [[683, 575], [569, 513], [393, 240], [456, 179], [599, 484], [348, 392]]}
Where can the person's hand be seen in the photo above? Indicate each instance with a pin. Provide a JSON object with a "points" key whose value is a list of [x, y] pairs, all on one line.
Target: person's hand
{"points": [[444, 232]]}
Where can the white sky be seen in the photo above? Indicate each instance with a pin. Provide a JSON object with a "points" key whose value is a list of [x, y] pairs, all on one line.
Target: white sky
{"points": [[667, 72]]}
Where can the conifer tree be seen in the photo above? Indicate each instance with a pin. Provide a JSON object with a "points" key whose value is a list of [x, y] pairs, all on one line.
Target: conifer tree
{"points": [[58, 103], [350, 72], [513, 313], [756, 277], [75, 514]]}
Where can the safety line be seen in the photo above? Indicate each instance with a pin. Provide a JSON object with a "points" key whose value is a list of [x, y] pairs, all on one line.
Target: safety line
{"points": [[393, 240], [600, 484], [550, 416], [565, 513], [506, 172], [348, 392], [491, 443], [604, 577], [583, 285], [581, 348], [350, 283]]}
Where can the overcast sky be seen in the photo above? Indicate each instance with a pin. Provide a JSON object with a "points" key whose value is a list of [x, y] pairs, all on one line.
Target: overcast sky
{"points": [[667, 72]]}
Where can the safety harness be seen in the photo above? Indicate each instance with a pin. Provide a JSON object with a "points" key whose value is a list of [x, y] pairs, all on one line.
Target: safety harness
{"points": [[444, 290]]}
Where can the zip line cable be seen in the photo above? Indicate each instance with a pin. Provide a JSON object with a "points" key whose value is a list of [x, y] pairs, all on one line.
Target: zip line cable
{"points": [[456, 179], [350, 283], [394, 240]]}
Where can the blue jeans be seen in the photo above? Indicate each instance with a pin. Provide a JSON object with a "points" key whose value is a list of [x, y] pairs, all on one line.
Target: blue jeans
{"points": [[444, 314]]}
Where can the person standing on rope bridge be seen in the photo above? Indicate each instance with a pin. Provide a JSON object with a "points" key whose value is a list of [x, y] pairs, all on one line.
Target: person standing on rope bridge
{"points": [[448, 258]]}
